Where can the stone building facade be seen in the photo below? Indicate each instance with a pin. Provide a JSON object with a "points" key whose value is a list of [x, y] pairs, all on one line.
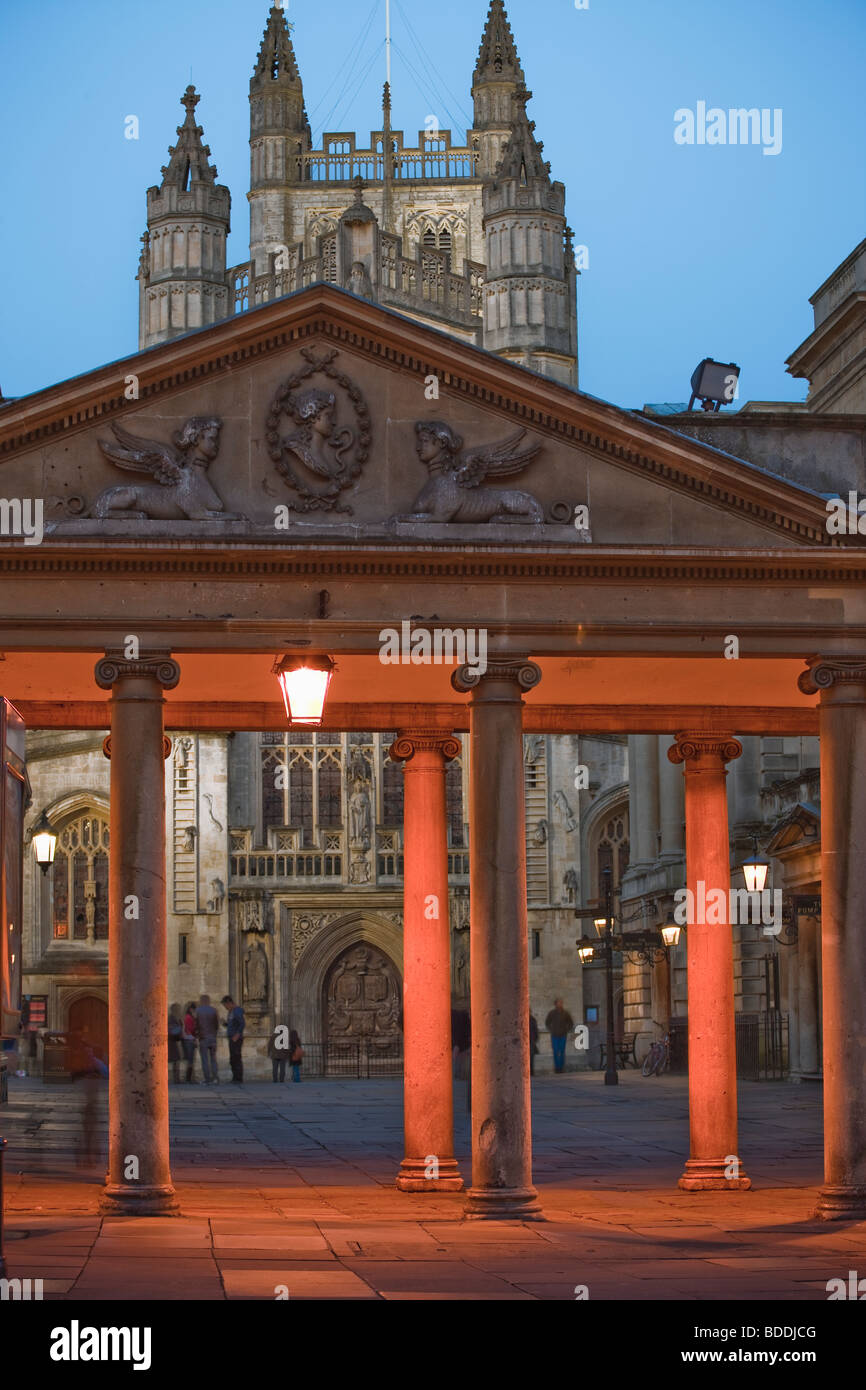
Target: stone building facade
{"points": [[285, 852]]}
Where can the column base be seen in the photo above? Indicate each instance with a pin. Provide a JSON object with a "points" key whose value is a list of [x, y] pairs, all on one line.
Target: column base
{"points": [[708, 1175], [120, 1200], [411, 1176], [841, 1204], [503, 1204]]}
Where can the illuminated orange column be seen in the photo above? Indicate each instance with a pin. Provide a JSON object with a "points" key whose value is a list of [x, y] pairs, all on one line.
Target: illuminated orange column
{"points": [[499, 957], [428, 1104], [842, 685], [714, 1160], [139, 1177]]}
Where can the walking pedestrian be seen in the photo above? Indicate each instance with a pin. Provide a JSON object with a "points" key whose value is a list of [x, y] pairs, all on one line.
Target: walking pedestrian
{"points": [[461, 1046], [207, 1027], [235, 1027], [279, 1051], [175, 1036], [188, 1039], [296, 1054], [559, 1023]]}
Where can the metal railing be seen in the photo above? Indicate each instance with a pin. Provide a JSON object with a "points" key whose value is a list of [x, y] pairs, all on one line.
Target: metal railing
{"points": [[356, 1058]]}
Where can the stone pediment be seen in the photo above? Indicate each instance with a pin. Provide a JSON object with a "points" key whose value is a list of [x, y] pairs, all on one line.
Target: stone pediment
{"points": [[324, 417]]}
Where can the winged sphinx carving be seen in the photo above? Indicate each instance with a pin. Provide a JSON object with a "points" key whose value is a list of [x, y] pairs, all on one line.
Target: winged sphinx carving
{"points": [[454, 491], [179, 486]]}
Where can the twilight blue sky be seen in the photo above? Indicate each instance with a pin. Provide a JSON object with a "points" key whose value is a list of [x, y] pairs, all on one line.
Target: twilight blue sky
{"points": [[693, 251]]}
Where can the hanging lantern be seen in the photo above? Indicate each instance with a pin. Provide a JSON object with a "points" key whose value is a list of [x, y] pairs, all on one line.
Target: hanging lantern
{"points": [[304, 681], [44, 842]]}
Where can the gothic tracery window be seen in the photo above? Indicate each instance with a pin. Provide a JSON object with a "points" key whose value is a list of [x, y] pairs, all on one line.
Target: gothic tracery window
{"points": [[80, 880], [612, 850]]}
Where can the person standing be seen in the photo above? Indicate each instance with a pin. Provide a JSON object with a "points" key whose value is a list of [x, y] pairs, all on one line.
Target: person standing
{"points": [[175, 1036], [207, 1027], [279, 1051], [533, 1043], [188, 1039], [235, 1026], [296, 1054], [559, 1023]]}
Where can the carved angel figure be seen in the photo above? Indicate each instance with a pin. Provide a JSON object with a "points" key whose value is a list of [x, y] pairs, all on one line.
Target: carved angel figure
{"points": [[180, 489], [454, 491], [318, 443]]}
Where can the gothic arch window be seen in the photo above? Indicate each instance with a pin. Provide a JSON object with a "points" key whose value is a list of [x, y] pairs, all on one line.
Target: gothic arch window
{"points": [[392, 789], [80, 880], [611, 849]]}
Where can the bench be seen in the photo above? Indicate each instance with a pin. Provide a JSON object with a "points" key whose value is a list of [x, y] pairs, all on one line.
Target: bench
{"points": [[625, 1053]]}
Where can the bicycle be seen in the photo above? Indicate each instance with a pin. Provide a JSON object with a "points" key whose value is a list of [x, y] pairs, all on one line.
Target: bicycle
{"points": [[658, 1059]]}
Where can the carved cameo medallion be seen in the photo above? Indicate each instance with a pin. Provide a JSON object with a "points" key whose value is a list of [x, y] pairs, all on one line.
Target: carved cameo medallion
{"points": [[318, 434]]}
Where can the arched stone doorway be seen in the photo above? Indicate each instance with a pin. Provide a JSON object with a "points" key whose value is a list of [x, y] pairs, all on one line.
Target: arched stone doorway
{"points": [[88, 1014]]}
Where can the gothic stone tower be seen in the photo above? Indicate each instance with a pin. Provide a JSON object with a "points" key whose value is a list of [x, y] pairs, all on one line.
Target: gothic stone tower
{"points": [[496, 79], [530, 301], [182, 272], [279, 140]]}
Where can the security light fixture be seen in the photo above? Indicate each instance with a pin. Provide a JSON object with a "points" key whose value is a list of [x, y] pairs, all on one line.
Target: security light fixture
{"points": [[714, 384], [304, 681]]}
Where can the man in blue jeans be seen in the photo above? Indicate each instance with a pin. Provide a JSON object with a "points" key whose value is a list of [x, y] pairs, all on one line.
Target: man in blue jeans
{"points": [[559, 1023], [235, 1025]]}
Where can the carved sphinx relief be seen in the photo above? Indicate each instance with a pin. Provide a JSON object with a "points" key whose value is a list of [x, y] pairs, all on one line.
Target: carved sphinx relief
{"points": [[180, 488], [454, 491]]}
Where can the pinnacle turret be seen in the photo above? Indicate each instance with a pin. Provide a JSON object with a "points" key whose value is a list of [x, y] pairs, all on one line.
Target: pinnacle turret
{"points": [[521, 157], [276, 61], [188, 159], [497, 56]]}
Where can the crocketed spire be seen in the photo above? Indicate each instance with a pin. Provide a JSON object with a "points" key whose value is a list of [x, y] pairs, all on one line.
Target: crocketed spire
{"points": [[188, 159], [276, 61], [497, 56], [522, 155]]}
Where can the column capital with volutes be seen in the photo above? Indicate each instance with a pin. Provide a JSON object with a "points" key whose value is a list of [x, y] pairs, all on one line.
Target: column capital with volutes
{"points": [[517, 671], [701, 751], [158, 666], [411, 741], [833, 673]]}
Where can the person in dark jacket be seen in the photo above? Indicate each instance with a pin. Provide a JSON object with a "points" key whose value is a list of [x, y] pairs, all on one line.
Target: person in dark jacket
{"points": [[279, 1051], [188, 1039], [235, 1028], [559, 1023], [296, 1054], [533, 1043], [207, 1026], [175, 1037]]}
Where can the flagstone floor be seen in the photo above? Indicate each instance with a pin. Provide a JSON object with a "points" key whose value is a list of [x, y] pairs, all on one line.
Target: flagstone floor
{"points": [[288, 1191]]}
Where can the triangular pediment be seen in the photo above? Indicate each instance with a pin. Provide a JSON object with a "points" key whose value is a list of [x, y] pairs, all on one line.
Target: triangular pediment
{"points": [[364, 426]]}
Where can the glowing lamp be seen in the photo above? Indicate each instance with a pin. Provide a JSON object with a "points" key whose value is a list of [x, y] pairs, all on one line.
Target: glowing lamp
{"points": [[671, 931], [600, 924], [585, 953], [44, 842], [304, 681], [755, 872]]}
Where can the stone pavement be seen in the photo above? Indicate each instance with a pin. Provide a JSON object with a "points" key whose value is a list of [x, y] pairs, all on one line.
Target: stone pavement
{"points": [[291, 1188]]}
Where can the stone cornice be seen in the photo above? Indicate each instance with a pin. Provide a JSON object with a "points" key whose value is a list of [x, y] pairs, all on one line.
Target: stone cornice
{"points": [[621, 564], [633, 442]]}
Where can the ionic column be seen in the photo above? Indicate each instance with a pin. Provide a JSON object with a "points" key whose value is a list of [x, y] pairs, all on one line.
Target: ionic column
{"points": [[714, 1161], [139, 1178], [671, 813], [643, 785], [842, 724], [499, 961], [428, 1103]]}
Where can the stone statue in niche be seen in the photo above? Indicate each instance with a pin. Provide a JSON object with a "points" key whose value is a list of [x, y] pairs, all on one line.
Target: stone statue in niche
{"points": [[358, 281], [218, 894], [360, 816], [533, 748], [256, 974], [454, 491], [180, 489], [570, 885], [461, 973], [560, 801], [189, 837], [540, 835]]}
